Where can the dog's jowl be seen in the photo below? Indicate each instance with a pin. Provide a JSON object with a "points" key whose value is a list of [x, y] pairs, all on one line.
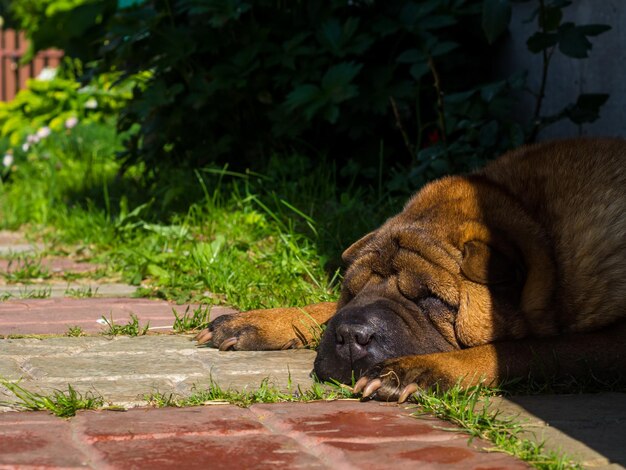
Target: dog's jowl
{"points": [[517, 269]]}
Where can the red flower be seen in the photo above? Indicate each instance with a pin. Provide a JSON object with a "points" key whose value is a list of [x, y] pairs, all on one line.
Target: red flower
{"points": [[433, 137]]}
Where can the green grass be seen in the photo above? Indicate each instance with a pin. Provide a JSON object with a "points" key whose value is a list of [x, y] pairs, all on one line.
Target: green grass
{"points": [[132, 328], [191, 319], [24, 268], [80, 292], [74, 331], [28, 293], [60, 403], [212, 235], [265, 393]]}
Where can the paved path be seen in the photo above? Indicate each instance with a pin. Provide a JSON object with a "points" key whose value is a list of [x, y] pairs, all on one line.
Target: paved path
{"points": [[341, 434], [123, 369], [56, 315], [337, 435]]}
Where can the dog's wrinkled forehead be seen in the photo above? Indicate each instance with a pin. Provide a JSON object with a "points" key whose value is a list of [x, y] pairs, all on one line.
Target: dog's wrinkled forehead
{"points": [[405, 255]]}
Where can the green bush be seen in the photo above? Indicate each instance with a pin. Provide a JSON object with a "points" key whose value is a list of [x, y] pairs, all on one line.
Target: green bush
{"points": [[56, 103], [391, 84]]}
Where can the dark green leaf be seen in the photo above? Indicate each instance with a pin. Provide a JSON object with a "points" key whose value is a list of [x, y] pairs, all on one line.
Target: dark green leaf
{"points": [[336, 81], [418, 70], [335, 36], [550, 19], [437, 22], [459, 97], [541, 41], [488, 92], [443, 48], [572, 41], [496, 18], [412, 12], [594, 29], [518, 80], [431, 153], [331, 114], [330, 35], [488, 134], [302, 95], [587, 108], [516, 134], [409, 56], [121, 4], [440, 167]]}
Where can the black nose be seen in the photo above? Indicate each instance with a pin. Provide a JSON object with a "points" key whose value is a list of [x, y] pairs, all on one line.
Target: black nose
{"points": [[352, 340]]}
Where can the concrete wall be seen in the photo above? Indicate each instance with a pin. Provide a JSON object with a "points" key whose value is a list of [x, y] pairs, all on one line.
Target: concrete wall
{"points": [[604, 71]]}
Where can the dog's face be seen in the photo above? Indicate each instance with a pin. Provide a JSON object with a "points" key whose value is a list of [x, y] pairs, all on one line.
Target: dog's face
{"points": [[419, 288]]}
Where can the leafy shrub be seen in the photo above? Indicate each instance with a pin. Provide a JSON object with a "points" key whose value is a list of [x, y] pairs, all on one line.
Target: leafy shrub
{"points": [[407, 82], [55, 103]]}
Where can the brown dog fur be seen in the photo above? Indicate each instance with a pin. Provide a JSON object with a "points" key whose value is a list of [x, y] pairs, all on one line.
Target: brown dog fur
{"points": [[530, 254]]}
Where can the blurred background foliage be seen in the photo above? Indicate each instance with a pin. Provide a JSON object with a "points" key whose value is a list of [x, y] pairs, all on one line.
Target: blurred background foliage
{"points": [[401, 91]]}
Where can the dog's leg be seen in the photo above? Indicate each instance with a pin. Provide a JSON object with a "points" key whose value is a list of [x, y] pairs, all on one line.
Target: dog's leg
{"points": [[271, 329], [601, 354]]}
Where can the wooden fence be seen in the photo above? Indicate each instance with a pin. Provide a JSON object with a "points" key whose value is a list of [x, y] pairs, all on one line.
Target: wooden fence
{"points": [[13, 75]]}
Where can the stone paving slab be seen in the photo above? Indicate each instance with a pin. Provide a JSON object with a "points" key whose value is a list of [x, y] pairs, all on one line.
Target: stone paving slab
{"points": [[62, 289], [123, 369], [56, 315], [14, 242], [587, 427], [341, 435], [52, 265]]}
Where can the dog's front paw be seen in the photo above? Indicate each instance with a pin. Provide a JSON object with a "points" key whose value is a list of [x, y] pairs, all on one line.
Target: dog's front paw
{"points": [[397, 379], [259, 330], [229, 332]]}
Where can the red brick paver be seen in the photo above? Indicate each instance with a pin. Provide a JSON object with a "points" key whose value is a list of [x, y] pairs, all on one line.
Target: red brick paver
{"points": [[55, 316], [337, 435]]}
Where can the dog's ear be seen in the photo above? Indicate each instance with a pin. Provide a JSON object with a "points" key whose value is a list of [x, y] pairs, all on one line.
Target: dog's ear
{"points": [[352, 252], [487, 265]]}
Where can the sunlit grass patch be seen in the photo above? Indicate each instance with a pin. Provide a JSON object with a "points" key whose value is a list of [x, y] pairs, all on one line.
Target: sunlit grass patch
{"points": [[24, 268], [132, 328], [63, 404], [266, 392], [194, 320], [212, 235]]}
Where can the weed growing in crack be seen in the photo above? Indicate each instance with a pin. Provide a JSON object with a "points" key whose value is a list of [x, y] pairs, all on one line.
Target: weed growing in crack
{"points": [[63, 404], [74, 331], [132, 328], [23, 268], [195, 320], [39, 293], [80, 292], [266, 392]]}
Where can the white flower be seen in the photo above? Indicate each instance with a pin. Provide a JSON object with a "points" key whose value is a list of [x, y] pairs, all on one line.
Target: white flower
{"points": [[71, 122], [47, 74], [91, 103], [25, 146], [43, 132], [32, 139], [7, 160]]}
